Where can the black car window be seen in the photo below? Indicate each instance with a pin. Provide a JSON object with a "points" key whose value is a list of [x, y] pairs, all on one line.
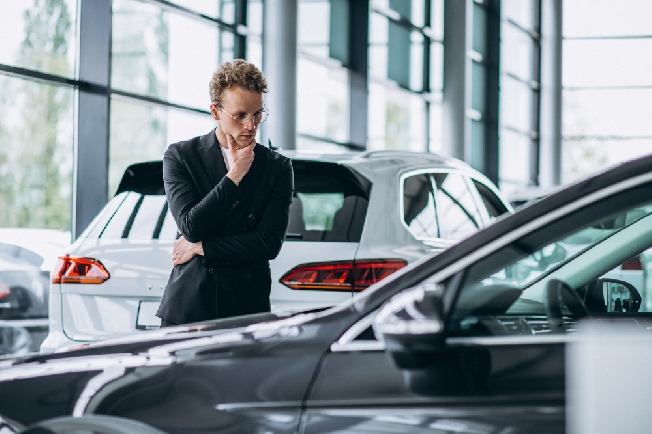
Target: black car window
{"points": [[494, 206], [329, 203], [419, 206], [574, 267]]}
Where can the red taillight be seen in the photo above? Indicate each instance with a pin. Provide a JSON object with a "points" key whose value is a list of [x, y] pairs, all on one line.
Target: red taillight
{"points": [[341, 276], [632, 264], [78, 270], [4, 290]]}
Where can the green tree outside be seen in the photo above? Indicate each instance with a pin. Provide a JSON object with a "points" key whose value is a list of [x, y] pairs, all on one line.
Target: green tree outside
{"points": [[36, 136]]}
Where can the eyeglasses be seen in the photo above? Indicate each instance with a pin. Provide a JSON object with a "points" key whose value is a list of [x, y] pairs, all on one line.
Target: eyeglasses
{"points": [[243, 118]]}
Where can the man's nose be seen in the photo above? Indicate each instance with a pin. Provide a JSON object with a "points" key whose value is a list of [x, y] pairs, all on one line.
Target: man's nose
{"points": [[249, 123]]}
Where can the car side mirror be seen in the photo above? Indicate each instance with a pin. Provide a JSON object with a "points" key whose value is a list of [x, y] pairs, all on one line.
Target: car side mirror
{"points": [[411, 326]]}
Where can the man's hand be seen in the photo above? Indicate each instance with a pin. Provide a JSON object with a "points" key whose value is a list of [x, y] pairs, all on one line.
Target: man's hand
{"points": [[240, 159], [184, 251]]}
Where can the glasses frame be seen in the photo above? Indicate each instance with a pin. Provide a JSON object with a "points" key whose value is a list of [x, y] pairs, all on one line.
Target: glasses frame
{"points": [[248, 116]]}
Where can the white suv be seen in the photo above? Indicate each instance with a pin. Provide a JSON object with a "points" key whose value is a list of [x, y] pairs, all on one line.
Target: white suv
{"points": [[355, 218]]}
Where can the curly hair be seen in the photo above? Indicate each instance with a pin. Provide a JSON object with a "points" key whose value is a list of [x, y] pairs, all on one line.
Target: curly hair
{"points": [[237, 73]]}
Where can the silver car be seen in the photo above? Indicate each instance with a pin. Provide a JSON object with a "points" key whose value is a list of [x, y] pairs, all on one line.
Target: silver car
{"points": [[355, 218]]}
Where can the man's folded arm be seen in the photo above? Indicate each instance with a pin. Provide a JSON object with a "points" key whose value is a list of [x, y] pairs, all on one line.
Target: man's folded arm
{"points": [[265, 242], [194, 215]]}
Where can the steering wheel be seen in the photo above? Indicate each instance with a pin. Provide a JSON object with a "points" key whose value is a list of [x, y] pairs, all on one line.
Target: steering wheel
{"points": [[558, 296]]}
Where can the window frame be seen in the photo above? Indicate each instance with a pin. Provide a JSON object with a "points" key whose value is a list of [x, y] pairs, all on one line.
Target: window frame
{"points": [[471, 183]]}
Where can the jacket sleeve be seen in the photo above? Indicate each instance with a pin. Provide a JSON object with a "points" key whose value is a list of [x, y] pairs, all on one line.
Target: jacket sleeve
{"points": [[194, 215], [265, 242]]}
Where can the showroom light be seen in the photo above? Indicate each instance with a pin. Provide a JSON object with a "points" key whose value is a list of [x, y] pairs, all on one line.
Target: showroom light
{"points": [[341, 276], [79, 270]]}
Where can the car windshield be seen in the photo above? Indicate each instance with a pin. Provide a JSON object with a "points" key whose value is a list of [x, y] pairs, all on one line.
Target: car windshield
{"points": [[601, 265]]}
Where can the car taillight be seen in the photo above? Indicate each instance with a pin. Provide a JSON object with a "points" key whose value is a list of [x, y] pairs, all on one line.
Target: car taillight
{"points": [[341, 276], [4, 290], [78, 270], [632, 264]]}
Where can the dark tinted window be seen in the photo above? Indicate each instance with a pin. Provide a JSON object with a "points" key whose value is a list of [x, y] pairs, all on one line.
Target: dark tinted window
{"points": [[494, 205], [329, 203], [419, 206]]}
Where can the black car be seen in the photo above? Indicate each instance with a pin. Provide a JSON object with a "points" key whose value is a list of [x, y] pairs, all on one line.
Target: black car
{"points": [[472, 340]]}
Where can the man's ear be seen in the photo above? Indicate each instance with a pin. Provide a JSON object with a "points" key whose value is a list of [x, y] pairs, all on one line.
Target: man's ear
{"points": [[215, 111]]}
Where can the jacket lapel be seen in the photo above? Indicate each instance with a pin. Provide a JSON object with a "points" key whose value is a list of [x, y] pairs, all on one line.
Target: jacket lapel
{"points": [[212, 158]]}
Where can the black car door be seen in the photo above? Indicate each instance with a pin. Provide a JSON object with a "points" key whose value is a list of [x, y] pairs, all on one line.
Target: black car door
{"points": [[475, 385]]}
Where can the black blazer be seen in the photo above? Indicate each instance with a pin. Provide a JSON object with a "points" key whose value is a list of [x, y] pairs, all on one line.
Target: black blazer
{"points": [[241, 228]]}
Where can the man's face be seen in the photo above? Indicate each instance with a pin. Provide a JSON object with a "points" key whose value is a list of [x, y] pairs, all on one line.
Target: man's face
{"points": [[235, 101]]}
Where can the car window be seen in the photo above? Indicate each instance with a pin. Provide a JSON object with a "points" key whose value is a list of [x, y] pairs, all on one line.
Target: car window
{"points": [[441, 205], [137, 217], [513, 289], [169, 231], [419, 206], [494, 206], [329, 204], [122, 217], [147, 218], [457, 214]]}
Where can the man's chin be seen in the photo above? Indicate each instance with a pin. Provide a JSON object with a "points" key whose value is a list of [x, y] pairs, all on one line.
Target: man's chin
{"points": [[244, 143]]}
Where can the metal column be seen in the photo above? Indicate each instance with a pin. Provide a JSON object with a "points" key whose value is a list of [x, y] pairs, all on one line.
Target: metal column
{"points": [[91, 161], [280, 69], [358, 78], [550, 115], [457, 77]]}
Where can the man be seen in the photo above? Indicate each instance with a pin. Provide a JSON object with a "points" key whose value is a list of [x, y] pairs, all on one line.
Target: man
{"points": [[230, 198]]}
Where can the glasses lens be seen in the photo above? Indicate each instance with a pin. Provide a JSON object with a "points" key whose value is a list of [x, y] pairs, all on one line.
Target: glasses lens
{"points": [[244, 118]]}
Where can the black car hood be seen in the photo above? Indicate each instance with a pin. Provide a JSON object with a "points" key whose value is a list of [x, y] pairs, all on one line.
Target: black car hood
{"points": [[249, 327]]}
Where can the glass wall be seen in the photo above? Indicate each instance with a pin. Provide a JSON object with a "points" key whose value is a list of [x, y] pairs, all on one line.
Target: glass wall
{"points": [[519, 94], [164, 52], [404, 73], [162, 57], [322, 78], [141, 131], [37, 122], [607, 86], [36, 132], [405, 70], [323, 102], [39, 35], [162, 60]]}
